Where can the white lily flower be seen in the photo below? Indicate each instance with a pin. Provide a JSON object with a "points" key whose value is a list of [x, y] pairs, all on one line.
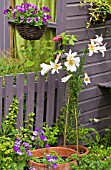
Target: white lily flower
{"points": [[45, 68], [96, 120], [65, 79], [92, 48], [102, 49], [86, 79], [72, 64], [70, 55], [55, 67], [98, 40]]}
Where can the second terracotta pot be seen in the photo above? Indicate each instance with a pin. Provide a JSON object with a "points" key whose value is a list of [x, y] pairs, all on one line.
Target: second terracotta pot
{"points": [[61, 151]]}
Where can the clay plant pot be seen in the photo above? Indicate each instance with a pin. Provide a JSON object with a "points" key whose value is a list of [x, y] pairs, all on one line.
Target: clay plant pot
{"points": [[61, 151], [82, 149]]}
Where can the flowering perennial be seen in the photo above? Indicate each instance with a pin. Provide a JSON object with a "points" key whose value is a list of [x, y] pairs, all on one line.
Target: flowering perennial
{"points": [[27, 13], [97, 46], [72, 61]]}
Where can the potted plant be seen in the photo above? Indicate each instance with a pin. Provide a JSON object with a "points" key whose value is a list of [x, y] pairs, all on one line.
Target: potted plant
{"points": [[18, 147], [76, 78], [99, 11], [30, 20]]}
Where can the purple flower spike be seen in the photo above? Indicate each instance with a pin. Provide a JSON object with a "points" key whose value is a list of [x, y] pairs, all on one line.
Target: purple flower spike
{"points": [[16, 148], [29, 20], [33, 137], [47, 146], [54, 165], [42, 131], [17, 142], [19, 152], [43, 138], [29, 153], [26, 144]]}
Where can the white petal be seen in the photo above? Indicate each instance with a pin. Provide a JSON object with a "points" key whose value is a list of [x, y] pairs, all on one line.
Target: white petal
{"points": [[65, 79], [53, 71]]}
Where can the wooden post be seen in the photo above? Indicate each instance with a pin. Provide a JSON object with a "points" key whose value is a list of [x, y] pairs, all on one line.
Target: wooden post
{"points": [[11, 33]]}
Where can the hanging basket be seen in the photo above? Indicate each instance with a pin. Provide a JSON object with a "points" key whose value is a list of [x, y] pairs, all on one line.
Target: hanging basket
{"points": [[30, 32]]}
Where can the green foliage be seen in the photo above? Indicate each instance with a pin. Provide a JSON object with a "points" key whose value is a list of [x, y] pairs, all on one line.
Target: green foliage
{"points": [[99, 11], [32, 56], [106, 139], [58, 160], [52, 134], [98, 158], [12, 66], [7, 133], [8, 126], [74, 87]]}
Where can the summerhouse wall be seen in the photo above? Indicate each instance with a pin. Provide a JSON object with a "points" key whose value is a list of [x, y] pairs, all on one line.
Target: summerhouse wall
{"points": [[4, 27], [94, 102]]}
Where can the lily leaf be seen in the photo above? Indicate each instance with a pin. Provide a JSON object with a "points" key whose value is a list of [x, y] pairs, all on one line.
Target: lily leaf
{"points": [[29, 63]]}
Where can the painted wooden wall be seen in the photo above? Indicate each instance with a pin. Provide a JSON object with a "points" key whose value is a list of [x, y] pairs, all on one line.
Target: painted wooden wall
{"points": [[94, 102], [4, 26]]}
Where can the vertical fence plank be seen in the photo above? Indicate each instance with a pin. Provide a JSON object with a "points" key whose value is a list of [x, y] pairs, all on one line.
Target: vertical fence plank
{"points": [[0, 101], [20, 97], [30, 93], [8, 96], [40, 101], [61, 92], [50, 98]]}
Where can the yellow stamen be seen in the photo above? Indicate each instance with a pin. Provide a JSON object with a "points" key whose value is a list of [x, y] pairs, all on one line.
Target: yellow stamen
{"points": [[71, 62], [56, 66], [91, 47], [86, 79]]}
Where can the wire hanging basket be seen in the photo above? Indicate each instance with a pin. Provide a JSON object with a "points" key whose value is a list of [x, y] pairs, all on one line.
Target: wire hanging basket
{"points": [[29, 32]]}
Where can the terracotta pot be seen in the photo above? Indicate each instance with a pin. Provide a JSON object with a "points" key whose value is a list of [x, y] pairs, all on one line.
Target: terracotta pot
{"points": [[61, 152], [82, 150]]}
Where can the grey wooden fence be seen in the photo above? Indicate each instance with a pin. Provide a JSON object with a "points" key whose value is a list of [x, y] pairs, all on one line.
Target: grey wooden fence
{"points": [[43, 97]]}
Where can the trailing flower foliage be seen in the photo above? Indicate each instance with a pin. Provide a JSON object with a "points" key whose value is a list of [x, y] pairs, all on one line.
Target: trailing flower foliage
{"points": [[28, 13], [99, 11]]}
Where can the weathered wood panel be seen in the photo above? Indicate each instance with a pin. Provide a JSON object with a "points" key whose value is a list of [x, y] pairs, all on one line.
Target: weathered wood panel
{"points": [[32, 96], [40, 101], [4, 27]]}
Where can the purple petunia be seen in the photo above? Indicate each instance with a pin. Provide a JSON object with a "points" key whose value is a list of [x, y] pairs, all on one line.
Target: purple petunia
{"points": [[33, 12], [29, 20], [6, 11], [45, 9], [22, 19], [37, 19], [44, 20], [14, 15]]}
